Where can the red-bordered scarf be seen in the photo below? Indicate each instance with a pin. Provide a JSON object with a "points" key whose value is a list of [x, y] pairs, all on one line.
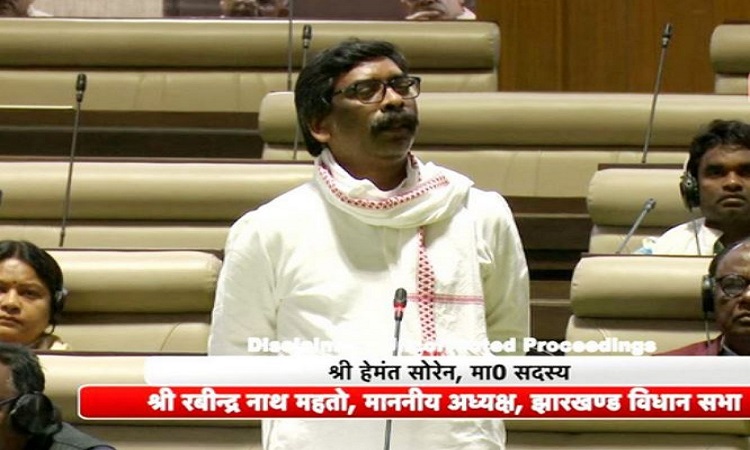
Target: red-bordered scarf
{"points": [[428, 195]]}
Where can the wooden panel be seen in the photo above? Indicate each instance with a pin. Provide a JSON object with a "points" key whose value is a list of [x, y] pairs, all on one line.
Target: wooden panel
{"points": [[596, 44], [531, 57], [607, 45]]}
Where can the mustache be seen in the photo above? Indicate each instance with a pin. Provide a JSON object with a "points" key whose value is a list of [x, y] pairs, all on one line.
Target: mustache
{"points": [[395, 119]]}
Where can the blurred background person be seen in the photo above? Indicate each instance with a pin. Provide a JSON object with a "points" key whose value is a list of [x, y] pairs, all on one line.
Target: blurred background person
{"points": [[20, 8], [254, 8], [28, 418], [438, 10], [31, 296]]}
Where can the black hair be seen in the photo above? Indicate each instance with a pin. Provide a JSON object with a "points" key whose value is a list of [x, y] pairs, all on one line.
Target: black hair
{"points": [[24, 366], [714, 265], [731, 133], [31, 413], [314, 88], [44, 265]]}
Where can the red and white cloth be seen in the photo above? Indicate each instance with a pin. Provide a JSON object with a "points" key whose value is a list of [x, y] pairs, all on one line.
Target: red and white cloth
{"points": [[320, 264]]}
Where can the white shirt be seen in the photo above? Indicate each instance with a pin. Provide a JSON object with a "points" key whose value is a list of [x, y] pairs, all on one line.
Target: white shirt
{"points": [[303, 267], [681, 240]]}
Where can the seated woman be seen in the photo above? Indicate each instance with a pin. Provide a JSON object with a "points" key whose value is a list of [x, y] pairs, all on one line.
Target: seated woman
{"points": [[31, 296]]}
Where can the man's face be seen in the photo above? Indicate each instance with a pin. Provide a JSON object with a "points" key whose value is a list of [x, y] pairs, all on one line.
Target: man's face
{"points": [[433, 9], [360, 133], [254, 8], [724, 182], [733, 311]]}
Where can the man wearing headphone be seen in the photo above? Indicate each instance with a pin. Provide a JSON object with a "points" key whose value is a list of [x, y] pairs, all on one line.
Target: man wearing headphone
{"points": [[716, 180], [28, 419], [726, 297]]}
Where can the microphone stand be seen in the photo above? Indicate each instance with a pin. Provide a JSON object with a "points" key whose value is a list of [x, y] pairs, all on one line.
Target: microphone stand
{"points": [[399, 303], [289, 51], [647, 207], [80, 89], [306, 39], [666, 36]]}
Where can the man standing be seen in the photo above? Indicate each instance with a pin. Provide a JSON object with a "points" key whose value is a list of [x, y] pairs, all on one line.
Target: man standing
{"points": [[322, 261], [727, 296], [717, 181]]}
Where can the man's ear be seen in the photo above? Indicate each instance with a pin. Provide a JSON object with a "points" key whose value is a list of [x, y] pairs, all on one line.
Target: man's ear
{"points": [[320, 129]]}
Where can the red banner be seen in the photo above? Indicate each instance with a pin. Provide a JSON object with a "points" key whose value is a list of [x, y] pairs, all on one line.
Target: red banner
{"points": [[539, 402]]}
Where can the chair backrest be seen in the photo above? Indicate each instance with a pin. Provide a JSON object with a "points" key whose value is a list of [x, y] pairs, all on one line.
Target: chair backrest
{"points": [[534, 144], [638, 298], [117, 204], [730, 58], [214, 65], [616, 198], [137, 301]]}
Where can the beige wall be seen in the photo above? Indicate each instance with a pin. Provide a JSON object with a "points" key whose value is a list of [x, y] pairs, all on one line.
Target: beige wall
{"points": [[101, 8]]}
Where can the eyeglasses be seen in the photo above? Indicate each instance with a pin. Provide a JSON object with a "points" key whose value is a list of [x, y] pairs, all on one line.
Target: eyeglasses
{"points": [[7, 400], [373, 91], [732, 285]]}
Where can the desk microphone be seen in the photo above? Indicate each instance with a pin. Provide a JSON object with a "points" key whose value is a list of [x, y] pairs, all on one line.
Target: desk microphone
{"points": [[306, 40], [648, 206], [399, 303], [80, 89], [666, 36]]}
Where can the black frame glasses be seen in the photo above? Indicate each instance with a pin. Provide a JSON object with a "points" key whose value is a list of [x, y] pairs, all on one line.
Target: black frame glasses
{"points": [[732, 285], [8, 400], [373, 90]]}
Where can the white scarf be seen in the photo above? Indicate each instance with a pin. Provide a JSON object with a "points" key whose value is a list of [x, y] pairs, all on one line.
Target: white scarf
{"points": [[427, 195], [427, 198]]}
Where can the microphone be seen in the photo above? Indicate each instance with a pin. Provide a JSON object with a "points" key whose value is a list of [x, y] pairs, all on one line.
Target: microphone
{"points": [[80, 89], [306, 40], [666, 37], [399, 303], [648, 206], [289, 53]]}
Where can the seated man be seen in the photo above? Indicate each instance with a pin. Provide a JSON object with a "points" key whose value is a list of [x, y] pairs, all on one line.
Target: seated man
{"points": [[717, 181], [19, 8], [438, 10], [726, 295], [254, 8], [28, 419]]}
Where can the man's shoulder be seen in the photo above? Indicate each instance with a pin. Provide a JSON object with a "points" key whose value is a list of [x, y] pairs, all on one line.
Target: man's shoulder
{"points": [[293, 202], [703, 348], [70, 438], [675, 241]]}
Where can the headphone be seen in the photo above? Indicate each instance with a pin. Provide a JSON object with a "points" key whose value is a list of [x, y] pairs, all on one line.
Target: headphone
{"points": [[58, 304], [689, 189], [707, 295], [34, 414]]}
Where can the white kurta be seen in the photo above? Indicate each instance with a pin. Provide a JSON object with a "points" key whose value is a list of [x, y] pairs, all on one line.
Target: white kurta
{"points": [[302, 267], [681, 240]]}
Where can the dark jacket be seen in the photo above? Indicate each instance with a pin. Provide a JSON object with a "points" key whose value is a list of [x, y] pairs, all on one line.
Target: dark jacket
{"points": [[704, 348], [68, 438]]}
